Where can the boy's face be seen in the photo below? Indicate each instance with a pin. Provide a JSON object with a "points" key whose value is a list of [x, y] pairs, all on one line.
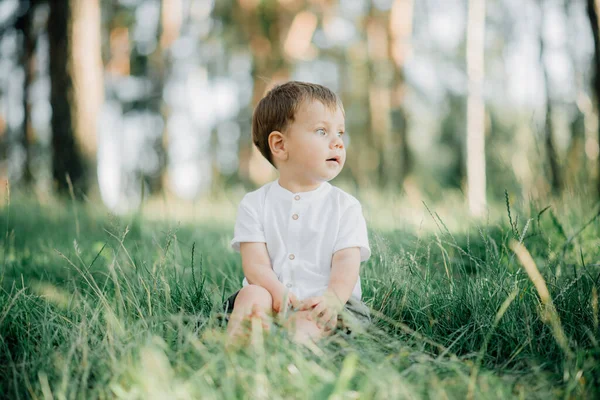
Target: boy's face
{"points": [[316, 152]]}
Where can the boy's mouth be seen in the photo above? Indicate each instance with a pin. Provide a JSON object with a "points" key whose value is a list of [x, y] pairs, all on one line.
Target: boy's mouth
{"points": [[336, 159]]}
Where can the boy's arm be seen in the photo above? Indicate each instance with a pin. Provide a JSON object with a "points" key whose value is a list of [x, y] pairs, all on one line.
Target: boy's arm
{"points": [[345, 267], [258, 270]]}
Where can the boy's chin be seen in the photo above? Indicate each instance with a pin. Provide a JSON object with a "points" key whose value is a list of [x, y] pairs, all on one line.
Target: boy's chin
{"points": [[325, 176], [330, 177]]}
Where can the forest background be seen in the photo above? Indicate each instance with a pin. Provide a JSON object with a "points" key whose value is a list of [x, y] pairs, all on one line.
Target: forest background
{"points": [[158, 95]]}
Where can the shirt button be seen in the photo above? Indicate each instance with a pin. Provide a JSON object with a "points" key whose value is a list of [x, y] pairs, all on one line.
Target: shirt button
{"points": [[291, 257], [288, 285], [296, 197], [295, 217]]}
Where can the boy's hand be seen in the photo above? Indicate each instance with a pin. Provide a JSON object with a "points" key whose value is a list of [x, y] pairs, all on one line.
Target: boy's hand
{"points": [[325, 309], [280, 296]]}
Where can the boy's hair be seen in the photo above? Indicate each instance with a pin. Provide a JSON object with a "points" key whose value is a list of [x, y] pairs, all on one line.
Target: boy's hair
{"points": [[277, 109]]}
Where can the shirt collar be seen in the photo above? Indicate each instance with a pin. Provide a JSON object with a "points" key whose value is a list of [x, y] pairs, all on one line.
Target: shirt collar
{"points": [[314, 194]]}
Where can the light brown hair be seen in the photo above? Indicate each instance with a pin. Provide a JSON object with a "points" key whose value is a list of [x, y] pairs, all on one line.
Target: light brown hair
{"points": [[277, 109]]}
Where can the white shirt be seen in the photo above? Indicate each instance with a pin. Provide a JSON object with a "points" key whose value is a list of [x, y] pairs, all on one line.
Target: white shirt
{"points": [[302, 232]]}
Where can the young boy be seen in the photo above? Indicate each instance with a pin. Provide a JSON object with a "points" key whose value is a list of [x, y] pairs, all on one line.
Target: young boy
{"points": [[301, 239]]}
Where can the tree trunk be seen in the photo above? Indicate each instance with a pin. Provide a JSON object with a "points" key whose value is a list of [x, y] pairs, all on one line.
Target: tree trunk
{"points": [[66, 159], [153, 67], [575, 172], [400, 27], [592, 11], [452, 124], [555, 178], [169, 30], [88, 79], [476, 176], [385, 151], [263, 24], [361, 152], [380, 93], [25, 25]]}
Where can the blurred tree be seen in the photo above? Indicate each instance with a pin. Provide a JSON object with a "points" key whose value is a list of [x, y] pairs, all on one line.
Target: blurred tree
{"points": [[169, 30], [575, 170], [262, 25], [400, 28], [592, 12], [380, 82], [476, 171], [551, 156], [388, 38], [452, 124], [135, 62], [67, 163], [576, 159], [88, 77], [151, 67], [362, 157], [24, 24]]}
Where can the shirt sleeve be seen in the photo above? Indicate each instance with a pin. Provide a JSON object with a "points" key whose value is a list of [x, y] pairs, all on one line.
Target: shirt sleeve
{"points": [[353, 232], [248, 226]]}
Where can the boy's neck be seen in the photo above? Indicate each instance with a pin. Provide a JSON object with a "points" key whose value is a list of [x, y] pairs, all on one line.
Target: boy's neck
{"points": [[296, 185]]}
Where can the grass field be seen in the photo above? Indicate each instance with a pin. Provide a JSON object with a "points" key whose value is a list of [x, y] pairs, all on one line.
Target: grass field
{"points": [[98, 306]]}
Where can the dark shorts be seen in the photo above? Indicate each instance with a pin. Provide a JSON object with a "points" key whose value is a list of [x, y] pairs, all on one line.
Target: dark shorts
{"points": [[356, 314]]}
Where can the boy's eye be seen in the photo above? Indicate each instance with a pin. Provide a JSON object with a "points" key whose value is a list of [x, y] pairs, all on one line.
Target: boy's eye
{"points": [[340, 133], [321, 131]]}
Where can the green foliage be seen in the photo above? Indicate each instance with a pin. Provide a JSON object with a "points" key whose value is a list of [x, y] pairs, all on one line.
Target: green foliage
{"points": [[123, 308]]}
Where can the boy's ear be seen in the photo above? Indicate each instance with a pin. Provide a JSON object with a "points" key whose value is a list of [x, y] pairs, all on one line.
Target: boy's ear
{"points": [[278, 146]]}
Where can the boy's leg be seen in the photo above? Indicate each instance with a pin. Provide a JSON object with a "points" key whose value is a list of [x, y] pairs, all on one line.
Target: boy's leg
{"points": [[356, 317], [304, 329], [251, 300]]}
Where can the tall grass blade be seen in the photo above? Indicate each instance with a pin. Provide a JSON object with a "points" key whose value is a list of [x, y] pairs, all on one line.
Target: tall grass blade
{"points": [[549, 314]]}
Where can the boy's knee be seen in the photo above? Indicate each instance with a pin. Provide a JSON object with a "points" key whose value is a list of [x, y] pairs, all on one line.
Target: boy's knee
{"points": [[254, 294]]}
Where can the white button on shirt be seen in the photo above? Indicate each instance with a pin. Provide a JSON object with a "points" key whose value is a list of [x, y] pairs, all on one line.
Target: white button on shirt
{"points": [[302, 232]]}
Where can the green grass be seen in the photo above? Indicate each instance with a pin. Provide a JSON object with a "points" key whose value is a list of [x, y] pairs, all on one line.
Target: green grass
{"points": [[99, 306]]}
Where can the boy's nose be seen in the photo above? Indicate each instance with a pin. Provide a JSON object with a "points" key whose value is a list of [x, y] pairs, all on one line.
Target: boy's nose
{"points": [[338, 143]]}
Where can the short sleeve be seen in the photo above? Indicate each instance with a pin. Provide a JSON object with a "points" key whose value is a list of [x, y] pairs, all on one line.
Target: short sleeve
{"points": [[353, 232], [248, 225]]}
